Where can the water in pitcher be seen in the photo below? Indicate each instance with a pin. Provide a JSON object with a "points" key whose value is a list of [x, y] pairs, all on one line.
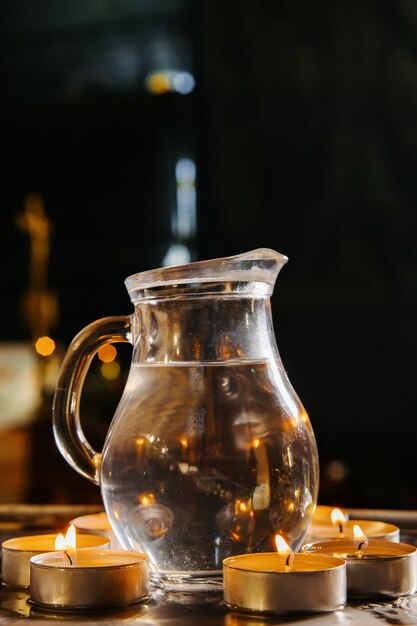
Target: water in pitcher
{"points": [[207, 461]]}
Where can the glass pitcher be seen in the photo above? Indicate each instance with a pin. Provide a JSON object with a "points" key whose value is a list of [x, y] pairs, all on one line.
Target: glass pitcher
{"points": [[210, 452]]}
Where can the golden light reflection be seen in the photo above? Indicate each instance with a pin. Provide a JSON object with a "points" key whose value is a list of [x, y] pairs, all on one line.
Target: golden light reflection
{"points": [[261, 495], [242, 522], [226, 350], [240, 507], [145, 499], [294, 421], [289, 457], [110, 371], [45, 346]]}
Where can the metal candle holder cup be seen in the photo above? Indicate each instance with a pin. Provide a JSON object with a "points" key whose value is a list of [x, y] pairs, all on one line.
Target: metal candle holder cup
{"points": [[265, 583], [376, 568], [17, 552], [95, 579]]}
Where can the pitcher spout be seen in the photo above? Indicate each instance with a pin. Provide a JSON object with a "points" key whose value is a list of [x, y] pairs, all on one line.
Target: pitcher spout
{"points": [[261, 265]]}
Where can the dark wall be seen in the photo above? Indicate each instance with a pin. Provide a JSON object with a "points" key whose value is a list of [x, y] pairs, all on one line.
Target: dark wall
{"points": [[310, 147], [303, 126]]}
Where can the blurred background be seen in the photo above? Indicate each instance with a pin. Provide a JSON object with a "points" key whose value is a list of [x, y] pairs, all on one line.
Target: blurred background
{"points": [[139, 133]]}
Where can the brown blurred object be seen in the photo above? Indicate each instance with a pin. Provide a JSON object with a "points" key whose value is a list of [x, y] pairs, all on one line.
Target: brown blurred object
{"points": [[40, 304], [52, 480], [31, 468], [15, 446]]}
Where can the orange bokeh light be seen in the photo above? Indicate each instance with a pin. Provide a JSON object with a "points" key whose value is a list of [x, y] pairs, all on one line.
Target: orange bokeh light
{"points": [[45, 346], [107, 353]]}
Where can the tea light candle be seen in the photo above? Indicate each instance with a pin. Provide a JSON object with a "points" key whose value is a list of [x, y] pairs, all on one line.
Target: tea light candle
{"points": [[376, 568], [17, 552], [323, 513], [341, 528], [97, 524], [272, 583], [98, 579]]}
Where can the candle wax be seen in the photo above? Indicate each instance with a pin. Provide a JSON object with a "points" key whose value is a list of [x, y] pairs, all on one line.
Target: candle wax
{"points": [[369, 528], [88, 558], [44, 543], [373, 548], [273, 562]]}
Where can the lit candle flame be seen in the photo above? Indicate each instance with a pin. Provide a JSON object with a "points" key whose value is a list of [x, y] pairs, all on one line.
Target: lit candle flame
{"points": [[145, 499], [337, 518], [361, 537], [358, 532], [60, 542], [68, 543], [284, 549]]}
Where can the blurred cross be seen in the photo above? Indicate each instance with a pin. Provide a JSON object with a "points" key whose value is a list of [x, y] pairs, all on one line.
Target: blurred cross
{"points": [[40, 305], [34, 221]]}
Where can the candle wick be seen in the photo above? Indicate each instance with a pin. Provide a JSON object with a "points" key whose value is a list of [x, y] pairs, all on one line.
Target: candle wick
{"points": [[359, 552], [288, 562], [69, 558], [340, 528]]}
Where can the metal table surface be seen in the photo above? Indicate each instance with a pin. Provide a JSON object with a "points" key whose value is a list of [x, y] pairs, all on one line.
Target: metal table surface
{"points": [[197, 608]]}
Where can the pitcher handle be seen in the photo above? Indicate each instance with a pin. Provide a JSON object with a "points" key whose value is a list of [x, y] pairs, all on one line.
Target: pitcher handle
{"points": [[68, 432]]}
